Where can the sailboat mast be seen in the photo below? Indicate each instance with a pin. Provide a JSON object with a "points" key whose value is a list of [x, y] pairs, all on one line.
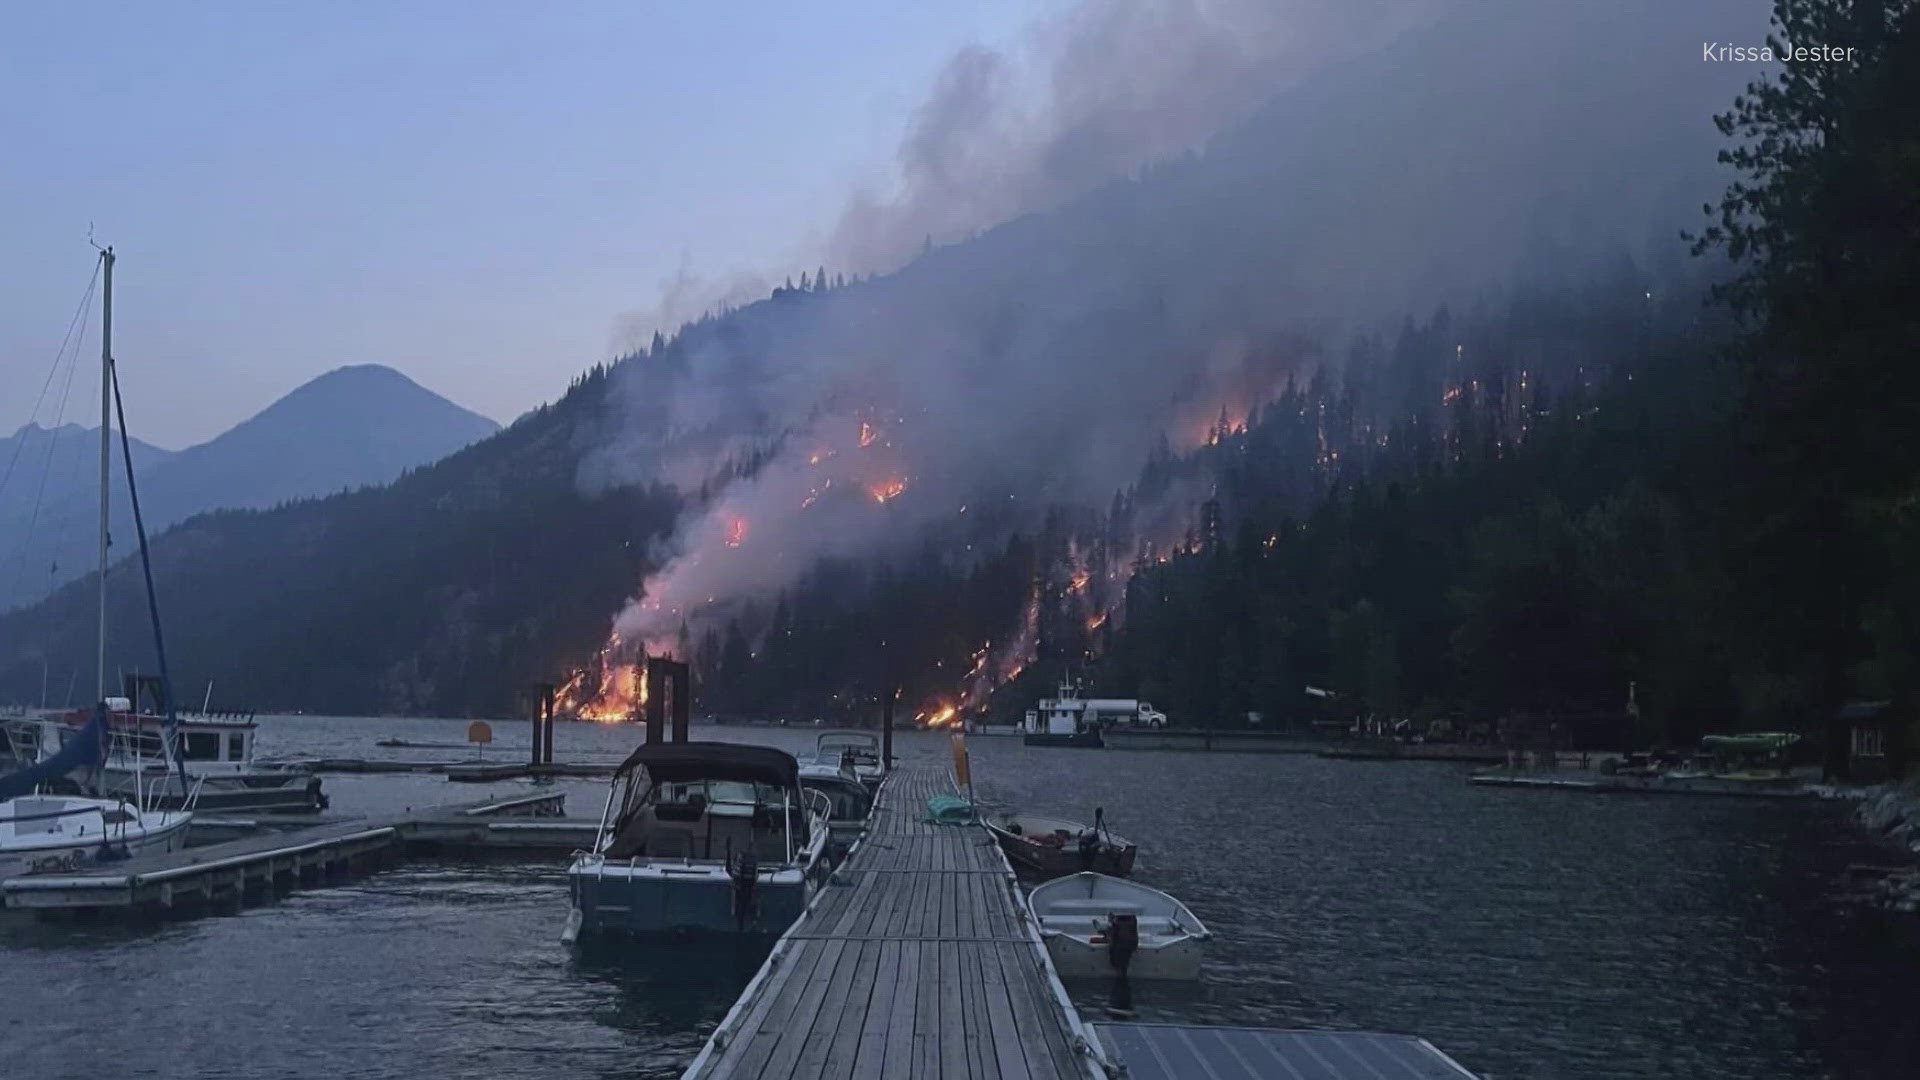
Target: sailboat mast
{"points": [[106, 451]]}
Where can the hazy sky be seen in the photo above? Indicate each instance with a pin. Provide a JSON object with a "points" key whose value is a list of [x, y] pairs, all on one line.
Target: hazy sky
{"points": [[483, 195]]}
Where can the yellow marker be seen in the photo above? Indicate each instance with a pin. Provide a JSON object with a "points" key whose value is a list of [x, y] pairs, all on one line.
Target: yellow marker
{"points": [[962, 774]]}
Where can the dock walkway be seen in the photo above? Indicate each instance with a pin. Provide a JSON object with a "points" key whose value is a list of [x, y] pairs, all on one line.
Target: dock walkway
{"points": [[274, 860], [915, 961]]}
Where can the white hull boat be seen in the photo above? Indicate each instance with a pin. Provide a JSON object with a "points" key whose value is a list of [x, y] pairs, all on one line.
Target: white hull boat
{"points": [[42, 834], [1077, 916], [856, 751]]}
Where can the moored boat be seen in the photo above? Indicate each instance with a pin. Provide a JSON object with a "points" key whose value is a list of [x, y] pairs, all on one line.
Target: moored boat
{"points": [[1095, 926], [849, 801], [702, 837], [40, 832], [857, 750], [1051, 847], [54, 833], [216, 753]]}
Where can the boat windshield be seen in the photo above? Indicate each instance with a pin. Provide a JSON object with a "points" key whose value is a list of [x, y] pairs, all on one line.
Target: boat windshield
{"points": [[715, 794]]}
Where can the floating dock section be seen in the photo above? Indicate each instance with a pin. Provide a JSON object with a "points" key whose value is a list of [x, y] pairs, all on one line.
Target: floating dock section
{"points": [[1182, 1052], [276, 861], [1604, 783], [916, 960]]}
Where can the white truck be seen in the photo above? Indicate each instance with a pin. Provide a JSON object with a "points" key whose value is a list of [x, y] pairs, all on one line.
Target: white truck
{"points": [[1124, 712]]}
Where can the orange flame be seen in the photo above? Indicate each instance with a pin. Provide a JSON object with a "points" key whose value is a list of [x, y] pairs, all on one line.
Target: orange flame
{"points": [[736, 532], [605, 690], [886, 490]]}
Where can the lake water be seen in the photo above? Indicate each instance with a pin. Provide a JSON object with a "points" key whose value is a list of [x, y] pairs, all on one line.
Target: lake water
{"points": [[1530, 934]]}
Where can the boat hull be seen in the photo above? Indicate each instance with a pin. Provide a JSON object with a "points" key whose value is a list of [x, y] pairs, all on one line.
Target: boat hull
{"points": [[1115, 858], [644, 900], [1077, 915], [289, 792], [1086, 740], [57, 855], [1078, 958]]}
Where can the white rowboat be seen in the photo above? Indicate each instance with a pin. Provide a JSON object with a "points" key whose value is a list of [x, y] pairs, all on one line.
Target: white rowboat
{"points": [[1077, 916]]}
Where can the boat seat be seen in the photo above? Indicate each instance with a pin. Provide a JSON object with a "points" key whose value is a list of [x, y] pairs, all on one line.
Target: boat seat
{"points": [[1092, 907], [670, 844], [1097, 924]]}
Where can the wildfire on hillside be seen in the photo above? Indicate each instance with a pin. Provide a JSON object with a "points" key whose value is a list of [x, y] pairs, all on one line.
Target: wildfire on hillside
{"points": [[736, 532], [608, 690], [887, 489], [944, 716]]}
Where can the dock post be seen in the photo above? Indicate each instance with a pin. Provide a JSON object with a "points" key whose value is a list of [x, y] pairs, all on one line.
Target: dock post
{"points": [[546, 724], [681, 715], [654, 711], [669, 703], [541, 713], [886, 726]]}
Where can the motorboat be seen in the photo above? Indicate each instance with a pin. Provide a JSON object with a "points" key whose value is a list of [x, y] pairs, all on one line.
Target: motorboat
{"points": [[859, 750], [217, 753], [702, 837], [1094, 924], [1051, 847], [42, 834], [850, 802]]}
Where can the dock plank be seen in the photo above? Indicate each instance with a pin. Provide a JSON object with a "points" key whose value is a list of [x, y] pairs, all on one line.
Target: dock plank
{"points": [[917, 965]]}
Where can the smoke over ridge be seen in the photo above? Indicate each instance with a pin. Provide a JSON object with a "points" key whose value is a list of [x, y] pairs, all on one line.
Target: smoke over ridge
{"points": [[1414, 154]]}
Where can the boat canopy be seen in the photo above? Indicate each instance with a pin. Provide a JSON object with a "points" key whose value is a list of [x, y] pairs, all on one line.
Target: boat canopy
{"points": [[677, 762]]}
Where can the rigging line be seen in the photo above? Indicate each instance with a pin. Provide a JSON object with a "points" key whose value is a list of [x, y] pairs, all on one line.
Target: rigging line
{"points": [[53, 441], [146, 568], [86, 302]]}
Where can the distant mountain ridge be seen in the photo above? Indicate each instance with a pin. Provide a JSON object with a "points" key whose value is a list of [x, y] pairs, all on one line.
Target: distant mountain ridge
{"points": [[373, 422], [352, 427]]}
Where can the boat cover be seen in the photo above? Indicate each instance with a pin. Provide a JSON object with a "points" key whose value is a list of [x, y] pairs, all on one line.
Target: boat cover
{"points": [[668, 763], [86, 748]]}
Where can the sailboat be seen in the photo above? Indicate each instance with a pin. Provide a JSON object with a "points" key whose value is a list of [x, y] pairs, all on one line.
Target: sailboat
{"points": [[52, 833]]}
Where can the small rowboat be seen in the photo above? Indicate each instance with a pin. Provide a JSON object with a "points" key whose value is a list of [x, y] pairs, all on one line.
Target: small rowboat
{"points": [[1051, 847], [1088, 922]]}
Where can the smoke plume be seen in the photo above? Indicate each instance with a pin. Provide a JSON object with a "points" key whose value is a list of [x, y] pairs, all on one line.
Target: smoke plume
{"points": [[1184, 203]]}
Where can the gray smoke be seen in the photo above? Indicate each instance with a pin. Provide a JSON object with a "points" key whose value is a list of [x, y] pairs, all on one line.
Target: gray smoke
{"points": [[1096, 92], [1376, 160]]}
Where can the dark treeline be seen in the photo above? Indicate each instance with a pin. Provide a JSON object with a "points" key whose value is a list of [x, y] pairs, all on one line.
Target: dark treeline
{"points": [[1479, 514]]}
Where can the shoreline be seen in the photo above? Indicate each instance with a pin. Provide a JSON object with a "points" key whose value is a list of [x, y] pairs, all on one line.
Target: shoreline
{"points": [[1891, 812]]}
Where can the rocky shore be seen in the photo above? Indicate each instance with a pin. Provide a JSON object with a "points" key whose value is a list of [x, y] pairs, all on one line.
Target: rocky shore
{"points": [[1893, 811]]}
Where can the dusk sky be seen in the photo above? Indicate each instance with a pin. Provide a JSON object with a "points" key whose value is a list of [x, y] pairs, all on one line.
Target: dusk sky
{"points": [[486, 196]]}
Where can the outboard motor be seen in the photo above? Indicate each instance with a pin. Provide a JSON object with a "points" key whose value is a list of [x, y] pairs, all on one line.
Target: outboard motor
{"points": [[744, 871], [1089, 849], [1123, 940]]}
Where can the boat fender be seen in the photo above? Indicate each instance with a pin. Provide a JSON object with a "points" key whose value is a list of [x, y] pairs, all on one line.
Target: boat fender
{"points": [[1123, 940], [745, 874]]}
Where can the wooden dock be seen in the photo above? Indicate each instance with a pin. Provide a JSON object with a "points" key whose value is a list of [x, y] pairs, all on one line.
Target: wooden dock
{"points": [[916, 960], [276, 861]]}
